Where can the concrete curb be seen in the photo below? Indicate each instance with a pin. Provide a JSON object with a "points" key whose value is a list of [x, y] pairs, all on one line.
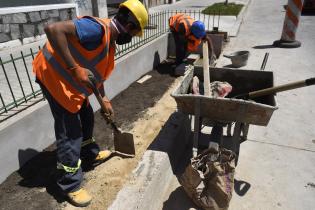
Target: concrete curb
{"points": [[156, 170], [239, 20]]}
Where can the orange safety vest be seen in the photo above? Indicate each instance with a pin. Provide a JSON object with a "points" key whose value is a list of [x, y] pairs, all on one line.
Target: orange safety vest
{"points": [[187, 21], [52, 71]]}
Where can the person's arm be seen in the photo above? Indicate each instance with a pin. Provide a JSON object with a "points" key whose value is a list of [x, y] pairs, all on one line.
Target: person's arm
{"points": [[106, 101], [57, 35], [181, 33]]}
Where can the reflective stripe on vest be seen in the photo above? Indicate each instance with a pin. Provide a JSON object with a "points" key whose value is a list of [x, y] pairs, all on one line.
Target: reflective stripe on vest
{"points": [[87, 142], [69, 169], [63, 72], [90, 64], [185, 18]]}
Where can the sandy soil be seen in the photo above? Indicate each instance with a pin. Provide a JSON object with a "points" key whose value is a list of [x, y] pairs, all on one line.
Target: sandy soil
{"points": [[142, 109]]}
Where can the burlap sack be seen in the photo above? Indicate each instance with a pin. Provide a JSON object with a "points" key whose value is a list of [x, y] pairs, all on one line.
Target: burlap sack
{"points": [[209, 179]]}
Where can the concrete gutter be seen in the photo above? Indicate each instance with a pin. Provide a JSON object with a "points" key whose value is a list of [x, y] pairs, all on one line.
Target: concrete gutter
{"points": [[29, 132], [150, 180]]}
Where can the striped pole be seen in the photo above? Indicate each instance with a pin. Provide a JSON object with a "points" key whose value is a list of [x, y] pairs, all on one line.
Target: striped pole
{"points": [[291, 22]]}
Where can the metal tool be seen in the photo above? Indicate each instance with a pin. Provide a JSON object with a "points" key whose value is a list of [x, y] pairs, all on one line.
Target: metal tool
{"points": [[276, 89], [123, 141], [263, 65]]}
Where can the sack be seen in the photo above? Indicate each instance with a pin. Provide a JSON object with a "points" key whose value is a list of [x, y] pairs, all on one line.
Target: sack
{"points": [[209, 179]]}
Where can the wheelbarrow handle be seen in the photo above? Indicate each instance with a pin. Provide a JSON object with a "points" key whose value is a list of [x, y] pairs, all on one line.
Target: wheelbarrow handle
{"points": [[276, 89]]}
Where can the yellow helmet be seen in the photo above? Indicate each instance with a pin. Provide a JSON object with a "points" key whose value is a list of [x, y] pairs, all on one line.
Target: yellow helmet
{"points": [[139, 11]]}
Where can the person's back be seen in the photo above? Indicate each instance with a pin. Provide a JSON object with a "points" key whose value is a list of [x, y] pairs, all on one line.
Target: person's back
{"points": [[187, 34]]}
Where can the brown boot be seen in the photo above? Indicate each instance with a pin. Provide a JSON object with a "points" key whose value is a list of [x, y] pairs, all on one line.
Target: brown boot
{"points": [[80, 198], [102, 156]]}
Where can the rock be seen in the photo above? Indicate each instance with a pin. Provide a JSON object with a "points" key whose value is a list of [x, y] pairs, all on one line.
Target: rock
{"points": [[15, 18], [44, 15], [53, 13], [4, 37], [73, 14], [15, 31], [28, 30], [64, 14], [4, 28], [40, 28], [34, 17]]}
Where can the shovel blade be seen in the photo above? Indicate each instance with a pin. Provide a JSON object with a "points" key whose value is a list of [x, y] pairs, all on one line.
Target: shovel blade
{"points": [[124, 143]]}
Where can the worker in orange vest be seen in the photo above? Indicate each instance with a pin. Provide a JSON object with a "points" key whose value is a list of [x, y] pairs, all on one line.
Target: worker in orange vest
{"points": [[187, 34], [73, 49]]}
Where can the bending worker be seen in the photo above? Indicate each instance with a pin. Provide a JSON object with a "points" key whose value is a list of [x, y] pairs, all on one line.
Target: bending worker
{"points": [[187, 34], [73, 49]]}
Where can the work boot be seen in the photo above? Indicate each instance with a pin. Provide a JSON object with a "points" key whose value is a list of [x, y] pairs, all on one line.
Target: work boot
{"points": [[102, 156], [79, 198]]}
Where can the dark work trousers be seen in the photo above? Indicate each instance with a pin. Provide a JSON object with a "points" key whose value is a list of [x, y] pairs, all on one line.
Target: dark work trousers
{"points": [[70, 130], [181, 48]]}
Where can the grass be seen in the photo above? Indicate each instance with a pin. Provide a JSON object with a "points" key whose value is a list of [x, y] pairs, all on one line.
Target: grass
{"points": [[229, 9]]}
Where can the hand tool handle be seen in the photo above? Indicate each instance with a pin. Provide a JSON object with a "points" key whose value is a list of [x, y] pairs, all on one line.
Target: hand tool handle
{"points": [[263, 65], [276, 89], [99, 98], [206, 71]]}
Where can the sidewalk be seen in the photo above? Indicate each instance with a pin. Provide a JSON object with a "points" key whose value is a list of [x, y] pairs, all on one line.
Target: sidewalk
{"points": [[276, 166], [229, 24]]}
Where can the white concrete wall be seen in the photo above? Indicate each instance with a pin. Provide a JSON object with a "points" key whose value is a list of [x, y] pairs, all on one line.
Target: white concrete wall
{"points": [[31, 131]]}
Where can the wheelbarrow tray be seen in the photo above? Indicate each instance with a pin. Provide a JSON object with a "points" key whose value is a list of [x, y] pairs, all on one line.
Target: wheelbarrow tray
{"points": [[227, 109]]}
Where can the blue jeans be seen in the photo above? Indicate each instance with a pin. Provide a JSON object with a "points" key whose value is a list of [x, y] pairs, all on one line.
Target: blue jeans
{"points": [[71, 129]]}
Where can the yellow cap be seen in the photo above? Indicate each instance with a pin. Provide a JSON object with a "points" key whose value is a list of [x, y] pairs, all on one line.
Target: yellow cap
{"points": [[139, 11]]}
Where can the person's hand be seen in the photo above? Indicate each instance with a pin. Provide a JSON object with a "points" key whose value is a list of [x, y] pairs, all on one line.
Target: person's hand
{"points": [[81, 74], [109, 111]]}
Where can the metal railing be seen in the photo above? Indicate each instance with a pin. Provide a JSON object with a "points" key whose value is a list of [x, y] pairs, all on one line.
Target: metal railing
{"points": [[18, 89]]}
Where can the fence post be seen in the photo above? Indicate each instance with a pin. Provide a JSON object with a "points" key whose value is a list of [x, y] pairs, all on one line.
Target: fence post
{"points": [[291, 21]]}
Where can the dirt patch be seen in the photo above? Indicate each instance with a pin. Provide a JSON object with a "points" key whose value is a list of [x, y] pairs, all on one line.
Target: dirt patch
{"points": [[141, 108]]}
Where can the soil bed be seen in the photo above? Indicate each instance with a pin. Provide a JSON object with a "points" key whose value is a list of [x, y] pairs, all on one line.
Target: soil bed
{"points": [[141, 108]]}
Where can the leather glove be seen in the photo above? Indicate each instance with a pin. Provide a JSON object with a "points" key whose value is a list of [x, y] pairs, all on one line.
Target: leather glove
{"points": [[81, 74], [108, 107]]}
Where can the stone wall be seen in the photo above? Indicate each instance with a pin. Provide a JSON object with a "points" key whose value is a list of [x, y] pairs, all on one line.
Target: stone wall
{"points": [[29, 24]]}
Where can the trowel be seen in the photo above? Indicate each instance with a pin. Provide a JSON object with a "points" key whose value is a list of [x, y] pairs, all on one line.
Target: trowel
{"points": [[123, 141]]}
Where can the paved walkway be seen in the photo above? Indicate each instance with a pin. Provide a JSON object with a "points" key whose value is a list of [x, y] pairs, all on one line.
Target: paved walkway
{"points": [[276, 166]]}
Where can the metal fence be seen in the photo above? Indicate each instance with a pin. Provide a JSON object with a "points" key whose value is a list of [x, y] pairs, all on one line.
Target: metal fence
{"points": [[18, 89]]}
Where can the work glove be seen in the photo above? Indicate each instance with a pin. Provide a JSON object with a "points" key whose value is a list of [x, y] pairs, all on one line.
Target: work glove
{"points": [[81, 74], [108, 106]]}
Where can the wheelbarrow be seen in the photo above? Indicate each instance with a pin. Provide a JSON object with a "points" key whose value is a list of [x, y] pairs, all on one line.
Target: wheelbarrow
{"points": [[230, 112]]}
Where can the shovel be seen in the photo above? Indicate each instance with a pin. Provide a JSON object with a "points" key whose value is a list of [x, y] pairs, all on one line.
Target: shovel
{"points": [[276, 89], [123, 141]]}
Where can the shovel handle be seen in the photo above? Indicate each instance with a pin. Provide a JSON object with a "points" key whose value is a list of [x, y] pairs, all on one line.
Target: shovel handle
{"points": [[92, 85]]}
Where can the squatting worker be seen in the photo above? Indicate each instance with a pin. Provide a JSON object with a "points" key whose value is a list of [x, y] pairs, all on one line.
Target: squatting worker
{"points": [[61, 69], [187, 34]]}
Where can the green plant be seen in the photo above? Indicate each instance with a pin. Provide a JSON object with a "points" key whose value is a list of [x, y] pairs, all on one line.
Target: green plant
{"points": [[223, 8]]}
